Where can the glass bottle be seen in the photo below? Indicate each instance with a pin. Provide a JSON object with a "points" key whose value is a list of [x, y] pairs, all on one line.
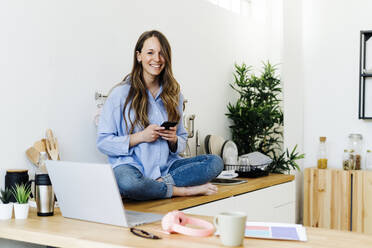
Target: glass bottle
{"points": [[351, 159], [355, 144], [322, 153], [42, 159], [368, 165], [346, 160]]}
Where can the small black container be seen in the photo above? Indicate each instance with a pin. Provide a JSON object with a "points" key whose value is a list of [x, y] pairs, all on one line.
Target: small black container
{"points": [[249, 171], [253, 173], [13, 177]]}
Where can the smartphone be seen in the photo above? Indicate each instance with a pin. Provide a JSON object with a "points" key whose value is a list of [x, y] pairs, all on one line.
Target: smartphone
{"points": [[168, 124], [223, 181]]}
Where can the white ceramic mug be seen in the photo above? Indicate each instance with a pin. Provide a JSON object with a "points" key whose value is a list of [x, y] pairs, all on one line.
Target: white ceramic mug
{"points": [[231, 227]]}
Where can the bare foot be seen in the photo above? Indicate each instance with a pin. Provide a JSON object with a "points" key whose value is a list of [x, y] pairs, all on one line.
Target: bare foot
{"points": [[205, 189]]}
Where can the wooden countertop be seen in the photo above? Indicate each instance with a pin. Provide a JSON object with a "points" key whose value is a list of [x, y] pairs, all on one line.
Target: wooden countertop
{"points": [[224, 191], [62, 232]]}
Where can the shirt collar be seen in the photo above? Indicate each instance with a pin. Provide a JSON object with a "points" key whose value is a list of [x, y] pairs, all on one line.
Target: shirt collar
{"points": [[157, 95]]}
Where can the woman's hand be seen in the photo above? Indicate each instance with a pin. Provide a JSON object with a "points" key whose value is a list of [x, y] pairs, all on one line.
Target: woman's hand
{"points": [[169, 135], [151, 133]]}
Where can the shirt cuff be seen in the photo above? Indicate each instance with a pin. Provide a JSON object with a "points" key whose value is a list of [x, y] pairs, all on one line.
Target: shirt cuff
{"points": [[115, 145], [181, 145]]}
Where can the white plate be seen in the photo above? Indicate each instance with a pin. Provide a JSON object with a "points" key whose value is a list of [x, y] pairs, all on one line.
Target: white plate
{"points": [[206, 144], [230, 153], [227, 174], [215, 144]]}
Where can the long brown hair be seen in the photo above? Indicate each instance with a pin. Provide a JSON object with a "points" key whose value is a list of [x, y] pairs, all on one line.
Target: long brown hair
{"points": [[137, 92]]}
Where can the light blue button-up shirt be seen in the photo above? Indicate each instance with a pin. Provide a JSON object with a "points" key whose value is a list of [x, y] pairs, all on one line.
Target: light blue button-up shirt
{"points": [[152, 159]]}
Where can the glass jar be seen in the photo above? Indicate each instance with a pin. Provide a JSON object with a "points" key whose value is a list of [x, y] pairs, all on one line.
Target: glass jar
{"points": [[322, 153], [346, 162], [368, 165], [356, 145]]}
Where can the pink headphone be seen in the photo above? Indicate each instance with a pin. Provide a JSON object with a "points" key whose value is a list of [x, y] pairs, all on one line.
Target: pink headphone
{"points": [[175, 221]]}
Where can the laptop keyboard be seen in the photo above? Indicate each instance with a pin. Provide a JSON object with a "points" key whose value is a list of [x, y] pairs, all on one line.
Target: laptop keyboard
{"points": [[138, 218]]}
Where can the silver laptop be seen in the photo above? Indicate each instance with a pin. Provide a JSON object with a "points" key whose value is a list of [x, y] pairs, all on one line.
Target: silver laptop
{"points": [[89, 192]]}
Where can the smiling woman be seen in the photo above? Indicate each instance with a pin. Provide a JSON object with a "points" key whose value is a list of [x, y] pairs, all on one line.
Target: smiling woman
{"points": [[144, 154]]}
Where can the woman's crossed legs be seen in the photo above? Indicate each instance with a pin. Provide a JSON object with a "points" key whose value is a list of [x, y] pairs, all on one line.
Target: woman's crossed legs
{"points": [[186, 177]]}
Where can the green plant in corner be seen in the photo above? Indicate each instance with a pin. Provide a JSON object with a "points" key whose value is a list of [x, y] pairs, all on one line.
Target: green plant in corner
{"points": [[21, 193], [257, 118], [5, 195]]}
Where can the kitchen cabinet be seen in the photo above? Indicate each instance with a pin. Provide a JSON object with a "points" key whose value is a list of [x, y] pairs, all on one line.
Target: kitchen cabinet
{"points": [[361, 201], [271, 204], [338, 199]]}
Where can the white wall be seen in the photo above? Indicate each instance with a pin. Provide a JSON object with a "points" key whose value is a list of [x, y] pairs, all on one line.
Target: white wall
{"points": [[331, 32], [293, 88], [320, 75], [56, 54]]}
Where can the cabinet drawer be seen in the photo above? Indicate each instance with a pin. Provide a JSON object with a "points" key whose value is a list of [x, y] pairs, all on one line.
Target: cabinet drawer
{"points": [[214, 208]]}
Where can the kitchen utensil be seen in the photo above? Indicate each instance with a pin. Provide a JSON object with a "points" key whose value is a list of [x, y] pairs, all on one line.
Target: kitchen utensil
{"points": [[40, 145], [227, 174], [43, 158], [215, 144], [206, 144], [197, 143], [227, 181], [33, 155], [257, 159], [44, 195], [230, 153], [57, 147], [252, 165], [52, 145]]}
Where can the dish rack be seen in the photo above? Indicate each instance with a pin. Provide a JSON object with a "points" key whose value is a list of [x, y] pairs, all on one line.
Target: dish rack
{"points": [[250, 171]]}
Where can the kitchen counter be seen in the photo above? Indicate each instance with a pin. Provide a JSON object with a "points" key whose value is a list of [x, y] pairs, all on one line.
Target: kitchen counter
{"points": [[224, 191]]}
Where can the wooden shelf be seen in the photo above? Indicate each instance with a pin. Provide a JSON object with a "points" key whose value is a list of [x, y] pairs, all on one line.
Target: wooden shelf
{"points": [[366, 75]]}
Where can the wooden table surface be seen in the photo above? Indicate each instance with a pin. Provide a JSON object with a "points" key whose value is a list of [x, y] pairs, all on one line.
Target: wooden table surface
{"points": [[178, 203], [62, 232]]}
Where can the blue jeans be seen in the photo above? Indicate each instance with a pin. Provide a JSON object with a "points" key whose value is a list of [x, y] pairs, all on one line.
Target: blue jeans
{"points": [[183, 172]]}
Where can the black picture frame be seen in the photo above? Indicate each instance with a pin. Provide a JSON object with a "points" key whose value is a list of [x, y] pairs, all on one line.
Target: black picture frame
{"points": [[365, 35]]}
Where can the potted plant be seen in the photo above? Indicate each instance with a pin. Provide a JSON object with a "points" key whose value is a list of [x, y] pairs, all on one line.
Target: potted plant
{"points": [[257, 117], [21, 193], [6, 207]]}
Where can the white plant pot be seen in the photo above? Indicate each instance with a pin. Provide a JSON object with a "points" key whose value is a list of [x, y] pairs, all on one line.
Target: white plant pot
{"points": [[21, 210], [6, 211]]}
